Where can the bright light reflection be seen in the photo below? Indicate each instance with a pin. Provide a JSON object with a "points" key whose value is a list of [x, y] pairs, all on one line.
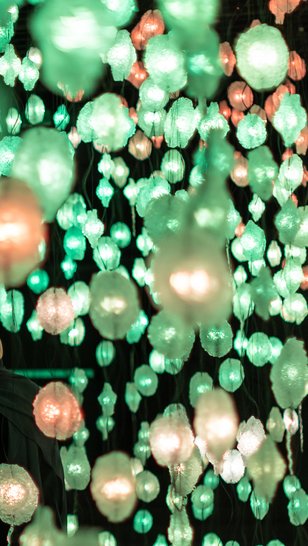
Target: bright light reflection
{"points": [[191, 284], [117, 489]]}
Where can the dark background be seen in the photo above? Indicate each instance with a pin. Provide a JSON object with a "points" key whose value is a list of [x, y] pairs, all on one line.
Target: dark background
{"points": [[231, 518]]}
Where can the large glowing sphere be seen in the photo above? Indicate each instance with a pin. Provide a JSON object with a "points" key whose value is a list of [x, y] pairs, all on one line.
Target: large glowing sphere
{"points": [[262, 57], [216, 422], [266, 467], [21, 232], [45, 161], [114, 306], [165, 61], [250, 436], [55, 310], [71, 36], [171, 439], [113, 486], [147, 486], [56, 411], [18, 495], [191, 277], [189, 16], [106, 122]]}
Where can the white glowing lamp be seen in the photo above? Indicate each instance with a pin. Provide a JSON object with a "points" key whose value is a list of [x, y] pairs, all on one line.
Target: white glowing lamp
{"points": [[250, 436], [113, 486], [171, 439], [18, 495], [216, 422]]}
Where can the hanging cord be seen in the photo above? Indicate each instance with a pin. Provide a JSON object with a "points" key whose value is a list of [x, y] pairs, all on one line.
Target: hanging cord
{"points": [[9, 535], [289, 453], [301, 428]]}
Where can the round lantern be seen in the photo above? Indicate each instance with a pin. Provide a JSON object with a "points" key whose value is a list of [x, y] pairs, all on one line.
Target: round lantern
{"points": [[279, 8], [239, 173], [76, 467], [42, 530], [216, 422], [72, 59], [106, 122], [45, 161], [227, 58], [55, 310], [139, 146], [240, 96], [138, 74], [21, 232], [266, 467], [250, 436], [171, 439], [113, 486], [289, 374], [56, 411], [233, 467], [145, 380], [251, 131], [150, 24], [297, 67], [147, 486], [184, 476], [114, 307], [152, 97], [170, 335], [262, 57], [189, 16], [18, 495], [217, 340], [191, 277], [166, 70]]}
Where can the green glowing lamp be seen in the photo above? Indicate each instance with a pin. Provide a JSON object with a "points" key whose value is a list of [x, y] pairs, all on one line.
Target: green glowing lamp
{"points": [[121, 56], [251, 131], [35, 109], [180, 123], [105, 353], [12, 311], [170, 335], [145, 380], [29, 73], [259, 349], [143, 522], [243, 489], [173, 166], [8, 148], [217, 340], [45, 162], [231, 374], [290, 118], [262, 57], [74, 244], [104, 192], [262, 172], [153, 97], [211, 539], [164, 61], [298, 508], [120, 234], [38, 281], [289, 374]]}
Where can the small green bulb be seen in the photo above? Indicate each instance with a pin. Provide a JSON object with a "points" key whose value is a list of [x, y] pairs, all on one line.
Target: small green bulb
{"points": [[231, 374], [143, 521], [38, 281]]}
